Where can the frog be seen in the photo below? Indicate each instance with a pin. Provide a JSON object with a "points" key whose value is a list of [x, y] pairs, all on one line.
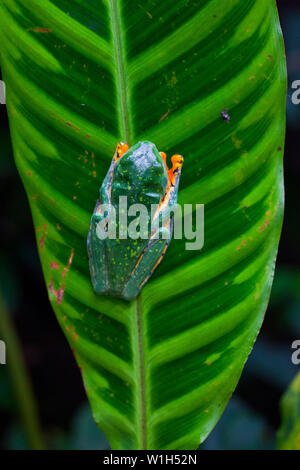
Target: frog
{"points": [[120, 266]]}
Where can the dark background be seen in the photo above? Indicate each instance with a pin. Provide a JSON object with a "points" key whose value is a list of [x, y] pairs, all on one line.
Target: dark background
{"points": [[251, 419]]}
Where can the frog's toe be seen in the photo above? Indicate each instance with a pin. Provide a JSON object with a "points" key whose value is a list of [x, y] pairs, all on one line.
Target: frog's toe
{"points": [[164, 157], [177, 162]]}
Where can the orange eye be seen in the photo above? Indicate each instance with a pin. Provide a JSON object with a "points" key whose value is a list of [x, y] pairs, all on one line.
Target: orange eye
{"points": [[121, 149]]}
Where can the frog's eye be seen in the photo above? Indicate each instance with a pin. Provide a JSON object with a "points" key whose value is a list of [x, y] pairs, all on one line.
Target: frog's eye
{"points": [[121, 149]]}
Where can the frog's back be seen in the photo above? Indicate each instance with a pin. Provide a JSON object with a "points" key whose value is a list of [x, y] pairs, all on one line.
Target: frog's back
{"points": [[120, 267]]}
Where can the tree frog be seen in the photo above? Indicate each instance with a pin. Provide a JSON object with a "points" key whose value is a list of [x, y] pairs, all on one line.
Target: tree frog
{"points": [[121, 264]]}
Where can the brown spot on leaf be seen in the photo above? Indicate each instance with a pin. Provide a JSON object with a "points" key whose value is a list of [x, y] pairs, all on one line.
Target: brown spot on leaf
{"points": [[265, 224], [236, 141], [42, 241], [65, 122], [71, 330], [73, 127], [165, 115], [40, 30], [66, 269], [59, 294], [93, 159], [54, 265]]}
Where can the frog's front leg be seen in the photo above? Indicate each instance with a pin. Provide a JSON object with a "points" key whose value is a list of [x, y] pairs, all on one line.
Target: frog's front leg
{"points": [[105, 190], [148, 261], [169, 201]]}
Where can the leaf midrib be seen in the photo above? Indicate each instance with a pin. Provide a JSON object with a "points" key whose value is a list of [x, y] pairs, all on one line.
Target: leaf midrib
{"points": [[141, 370], [121, 73], [125, 128]]}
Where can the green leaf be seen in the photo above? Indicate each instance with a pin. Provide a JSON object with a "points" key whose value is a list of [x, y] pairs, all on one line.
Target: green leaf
{"points": [[289, 433], [81, 76]]}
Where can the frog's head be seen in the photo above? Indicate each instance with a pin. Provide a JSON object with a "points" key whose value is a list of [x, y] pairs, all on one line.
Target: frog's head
{"points": [[141, 175]]}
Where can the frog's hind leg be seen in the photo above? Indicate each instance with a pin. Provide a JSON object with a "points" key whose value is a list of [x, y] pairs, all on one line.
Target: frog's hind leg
{"points": [[148, 262], [97, 249], [157, 246]]}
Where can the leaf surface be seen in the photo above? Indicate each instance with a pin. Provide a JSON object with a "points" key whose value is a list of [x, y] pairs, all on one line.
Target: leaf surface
{"points": [[82, 76]]}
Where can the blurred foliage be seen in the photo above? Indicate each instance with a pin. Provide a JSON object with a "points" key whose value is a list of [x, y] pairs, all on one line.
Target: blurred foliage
{"points": [[252, 417], [85, 433], [240, 428], [289, 434]]}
